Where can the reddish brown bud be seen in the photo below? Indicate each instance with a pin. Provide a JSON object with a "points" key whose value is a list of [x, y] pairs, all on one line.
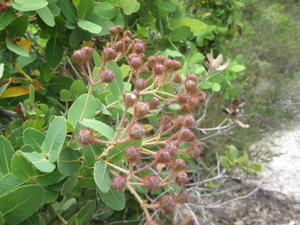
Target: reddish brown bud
{"points": [[187, 135], [181, 178], [176, 65], [190, 86], [191, 76], [172, 147], [168, 64], [182, 197], [158, 69], [107, 76], [127, 33], [133, 154], [167, 202], [4, 7], [166, 122], [195, 151], [88, 52], [145, 69], [153, 103], [139, 47], [130, 99], [182, 98], [179, 164], [119, 183], [177, 78], [127, 41], [108, 54], [151, 182], [135, 62], [189, 121], [151, 61], [79, 56], [163, 156], [86, 136], [119, 46], [161, 59], [139, 84], [141, 109], [113, 31], [152, 222], [137, 131]]}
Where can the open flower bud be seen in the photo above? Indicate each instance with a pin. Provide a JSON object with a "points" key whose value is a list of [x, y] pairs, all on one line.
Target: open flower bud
{"points": [[135, 62], [119, 46], [176, 78], [187, 135], [182, 197], [181, 178], [191, 76], [153, 103], [139, 47], [178, 164], [119, 183], [85, 136], [189, 121], [151, 182], [166, 202], [137, 131], [107, 76], [158, 69], [108, 54], [130, 99], [163, 156], [141, 109], [152, 222], [190, 86], [139, 84], [172, 147], [133, 154]]}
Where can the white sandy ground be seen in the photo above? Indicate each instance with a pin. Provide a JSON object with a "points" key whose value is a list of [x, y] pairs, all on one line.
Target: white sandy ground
{"points": [[282, 174]]}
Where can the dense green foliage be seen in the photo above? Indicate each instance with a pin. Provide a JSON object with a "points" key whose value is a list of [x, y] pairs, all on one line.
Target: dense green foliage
{"points": [[47, 96]]}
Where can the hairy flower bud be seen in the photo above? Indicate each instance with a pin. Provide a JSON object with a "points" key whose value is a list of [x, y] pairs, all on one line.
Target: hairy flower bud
{"points": [[176, 65], [153, 103], [139, 47], [181, 178], [190, 86], [151, 61], [127, 33], [127, 42], [151, 182], [139, 84], [178, 164], [135, 62], [161, 59], [137, 131], [182, 197], [119, 46], [166, 122], [141, 109], [163, 156], [168, 64], [176, 78], [158, 69], [172, 147], [182, 98], [107, 76], [119, 183], [166, 202], [108, 54], [189, 121], [195, 151], [133, 154], [113, 31], [85, 136], [191, 76], [79, 56], [130, 99], [187, 135]]}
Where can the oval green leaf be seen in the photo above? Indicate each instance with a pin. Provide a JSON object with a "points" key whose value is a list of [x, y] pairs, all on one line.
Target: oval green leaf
{"points": [[39, 162], [6, 153], [114, 199], [68, 161], [34, 138], [89, 26], [22, 168], [100, 127], [46, 15], [54, 51], [101, 176], [28, 5]]}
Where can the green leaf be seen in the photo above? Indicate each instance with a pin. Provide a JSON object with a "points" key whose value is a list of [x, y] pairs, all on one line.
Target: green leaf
{"points": [[104, 23], [78, 88], [1, 70], [68, 10], [28, 5], [258, 167], [69, 184], [106, 10], [22, 168], [89, 26], [18, 27], [55, 138], [49, 178], [82, 108], [46, 15], [226, 163], [114, 199], [6, 18], [34, 138], [85, 8], [216, 87], [2, 220], [89, 155], [193, 24], [101, 176], [117, 86], [6, 153], [16, 48], [21, 203], [174, 107], [85, 214], [130, 6], [54, 51], [8, 183], [233, 152], [165, 5], [173, 53], [99, 126], [68, 161], [39, 162], [33, 220], [125, 69], [237, 68]]}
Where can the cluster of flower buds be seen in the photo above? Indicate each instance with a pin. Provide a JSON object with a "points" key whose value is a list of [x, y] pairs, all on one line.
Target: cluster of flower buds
{"points": [[174, 134]]}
